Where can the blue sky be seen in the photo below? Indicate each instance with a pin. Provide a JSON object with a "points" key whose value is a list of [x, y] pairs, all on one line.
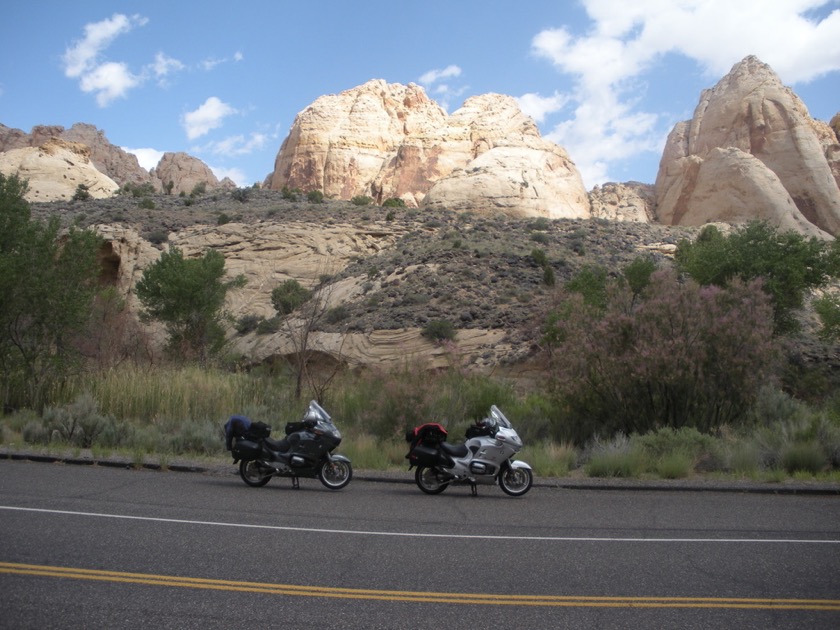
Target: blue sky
{"points": [[605, 79]]}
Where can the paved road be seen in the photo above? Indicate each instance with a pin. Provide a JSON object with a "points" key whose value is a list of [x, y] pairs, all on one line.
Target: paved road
{"points": [[84, 546]]}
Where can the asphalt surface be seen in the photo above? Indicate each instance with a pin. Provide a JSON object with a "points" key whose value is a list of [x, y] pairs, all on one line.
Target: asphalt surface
{"points": [[111, 545]]}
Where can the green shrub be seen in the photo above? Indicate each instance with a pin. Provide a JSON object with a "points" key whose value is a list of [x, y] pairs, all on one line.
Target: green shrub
{"points": [[539, 257], [268, 326], [393, 202], [289, 296], [247, 323], [290, 194], [222, 219], [78, 423], [675, 465], [240, 194], [147, 203], [337, 314], [616, 464], [199, 189], [804, 457], [82, 193], [439, 330], [315, 196], [361, 200], [156, 237]]}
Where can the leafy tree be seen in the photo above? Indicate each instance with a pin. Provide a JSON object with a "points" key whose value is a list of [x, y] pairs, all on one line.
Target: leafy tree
{"points": [[47, 283], [828, 309], [188, 296], [682, 355], [790, 264]]}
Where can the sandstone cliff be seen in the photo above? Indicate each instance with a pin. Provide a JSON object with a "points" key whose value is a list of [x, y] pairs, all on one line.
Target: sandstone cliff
{"points": [[55, 170], [751, 150], [389, 140]]}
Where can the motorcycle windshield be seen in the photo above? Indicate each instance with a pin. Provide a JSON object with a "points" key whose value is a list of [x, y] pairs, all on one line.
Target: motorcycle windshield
{"points": [[500, 418], [323, 421]]}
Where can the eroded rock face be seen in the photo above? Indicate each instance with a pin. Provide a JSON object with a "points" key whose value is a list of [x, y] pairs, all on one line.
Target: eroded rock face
{"points": [[184, 172], [389, 140], [631, 201], [748, 114], [108, 159], [55, 170]]}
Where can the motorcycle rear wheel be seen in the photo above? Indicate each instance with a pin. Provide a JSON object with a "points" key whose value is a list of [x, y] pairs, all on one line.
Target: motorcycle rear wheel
{"points": [[515, 481], [427, 480], [335, 474], [253, 473]]}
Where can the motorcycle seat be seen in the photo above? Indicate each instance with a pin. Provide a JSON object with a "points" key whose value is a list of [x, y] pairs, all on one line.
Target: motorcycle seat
{"points": [[279, 446], [455, 450]]}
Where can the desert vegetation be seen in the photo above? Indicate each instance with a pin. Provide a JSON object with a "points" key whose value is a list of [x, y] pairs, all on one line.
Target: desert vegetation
{"points": [[651, 367]]}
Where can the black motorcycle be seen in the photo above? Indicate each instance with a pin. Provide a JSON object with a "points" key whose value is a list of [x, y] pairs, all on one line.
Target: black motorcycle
{"points": [[305, 451]]}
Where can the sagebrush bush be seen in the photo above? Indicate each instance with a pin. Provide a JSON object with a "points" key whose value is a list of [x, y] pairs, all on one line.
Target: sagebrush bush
{"points": [[803, 457]]}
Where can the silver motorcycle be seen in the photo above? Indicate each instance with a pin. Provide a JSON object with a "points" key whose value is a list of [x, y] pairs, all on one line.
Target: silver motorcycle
{"points": [[483, 458]]}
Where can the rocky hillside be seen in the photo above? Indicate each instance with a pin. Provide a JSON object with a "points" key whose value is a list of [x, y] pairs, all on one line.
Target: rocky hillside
{"points": [[392, 271]]}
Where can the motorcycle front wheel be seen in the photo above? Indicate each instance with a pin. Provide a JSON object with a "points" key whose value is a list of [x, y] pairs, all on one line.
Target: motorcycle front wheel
{"points": [[335, 474], [427, 480], [253, 473], [516, 481]]}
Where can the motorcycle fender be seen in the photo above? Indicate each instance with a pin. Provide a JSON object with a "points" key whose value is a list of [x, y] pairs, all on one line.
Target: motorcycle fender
{"points": [[338, 458], [518, 464]]}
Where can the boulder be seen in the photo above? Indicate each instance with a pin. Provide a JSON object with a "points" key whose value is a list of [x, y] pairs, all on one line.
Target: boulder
{"points": [[391, 141], [55, 170], [749, 110]]}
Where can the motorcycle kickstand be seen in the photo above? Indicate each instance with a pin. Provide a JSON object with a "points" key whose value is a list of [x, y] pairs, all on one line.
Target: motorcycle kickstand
{"points": [[295, 483], [474, 489]]}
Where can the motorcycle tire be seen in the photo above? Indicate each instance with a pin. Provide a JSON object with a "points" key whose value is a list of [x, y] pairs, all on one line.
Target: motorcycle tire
{"points": [[427, 480], [335, 474], [515, 481], [252, 473]]}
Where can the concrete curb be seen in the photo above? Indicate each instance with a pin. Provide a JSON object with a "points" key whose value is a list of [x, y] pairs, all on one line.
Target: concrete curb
{"points": [[406, 476]]}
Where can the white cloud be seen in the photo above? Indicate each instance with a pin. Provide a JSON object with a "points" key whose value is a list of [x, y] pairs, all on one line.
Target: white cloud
{"points": [[627, 39], [235, 145], [165, 65], [148, 158], [207, 117], [432, 81], [109, 80], [538, 107], [433, 76]]}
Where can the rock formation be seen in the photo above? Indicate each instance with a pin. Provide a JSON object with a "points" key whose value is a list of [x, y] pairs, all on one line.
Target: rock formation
{"points": [[631, 201], [108, 159], [750, 151], [389, 140], [55, 170], [185, 172]]}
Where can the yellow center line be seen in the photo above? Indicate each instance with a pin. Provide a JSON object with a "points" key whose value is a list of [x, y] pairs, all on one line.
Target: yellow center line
{"points": [[12, 568]]}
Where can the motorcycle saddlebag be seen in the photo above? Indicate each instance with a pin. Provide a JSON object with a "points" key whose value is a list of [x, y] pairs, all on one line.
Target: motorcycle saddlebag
{"points": [[422, 455], [245, 449]]}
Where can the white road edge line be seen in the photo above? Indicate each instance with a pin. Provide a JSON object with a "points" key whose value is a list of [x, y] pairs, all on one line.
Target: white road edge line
{"points": [[422, 535]]}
